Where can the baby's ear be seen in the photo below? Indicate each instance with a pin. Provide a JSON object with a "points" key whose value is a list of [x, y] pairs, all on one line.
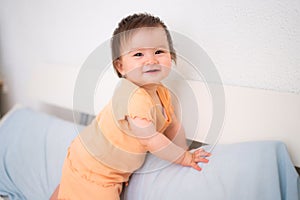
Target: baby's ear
{"points": [[118, 65]]}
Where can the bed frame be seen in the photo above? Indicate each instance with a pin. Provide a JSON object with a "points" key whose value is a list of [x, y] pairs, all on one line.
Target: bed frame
{"points": [[250, 113]]}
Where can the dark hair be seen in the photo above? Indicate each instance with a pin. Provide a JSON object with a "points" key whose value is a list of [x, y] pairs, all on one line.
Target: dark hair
{"points": [[133, 22]]}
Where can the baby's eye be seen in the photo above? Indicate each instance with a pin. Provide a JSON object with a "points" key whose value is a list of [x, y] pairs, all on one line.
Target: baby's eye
{"points": [[138, 54], [159, 51]]}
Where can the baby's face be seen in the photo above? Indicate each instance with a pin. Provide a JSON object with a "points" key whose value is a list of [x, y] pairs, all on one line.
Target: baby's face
{"points": [[145, 57]]}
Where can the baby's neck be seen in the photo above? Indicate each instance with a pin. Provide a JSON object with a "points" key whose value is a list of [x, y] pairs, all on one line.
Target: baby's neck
{"points": [[151, 88]]}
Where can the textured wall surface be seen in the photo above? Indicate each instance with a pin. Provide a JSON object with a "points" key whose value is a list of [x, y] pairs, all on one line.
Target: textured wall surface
{"points": [[252, 43]]}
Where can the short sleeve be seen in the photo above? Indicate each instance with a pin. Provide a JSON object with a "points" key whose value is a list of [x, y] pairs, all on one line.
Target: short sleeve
{"points": [[141, 105], [129, 100]]}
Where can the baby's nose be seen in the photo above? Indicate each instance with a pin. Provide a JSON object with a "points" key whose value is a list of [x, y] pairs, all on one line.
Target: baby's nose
{"points": [[151, 60]]}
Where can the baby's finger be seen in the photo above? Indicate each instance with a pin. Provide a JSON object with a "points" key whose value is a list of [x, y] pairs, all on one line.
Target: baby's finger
{"points": [[196, 167], [201, 159], [198, 151], [204, 154], [201, 153]]}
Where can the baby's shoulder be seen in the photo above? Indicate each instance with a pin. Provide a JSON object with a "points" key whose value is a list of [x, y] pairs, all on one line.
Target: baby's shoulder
{"points": [[127, 90], [128, 93]]}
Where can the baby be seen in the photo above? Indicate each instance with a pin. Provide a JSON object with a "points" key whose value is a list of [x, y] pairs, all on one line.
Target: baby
{"points": [[138, 119]]}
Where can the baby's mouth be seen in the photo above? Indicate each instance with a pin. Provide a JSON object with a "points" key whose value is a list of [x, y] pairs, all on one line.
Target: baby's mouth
{"points": [[152, 70]]}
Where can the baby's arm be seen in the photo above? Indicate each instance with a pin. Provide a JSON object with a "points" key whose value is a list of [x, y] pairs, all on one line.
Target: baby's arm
{"points": [[175, 132], [158, 144]]}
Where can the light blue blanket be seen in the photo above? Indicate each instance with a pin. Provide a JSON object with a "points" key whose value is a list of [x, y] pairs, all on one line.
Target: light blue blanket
{"points": [[32, 150], [243, 171], [33, 146]]}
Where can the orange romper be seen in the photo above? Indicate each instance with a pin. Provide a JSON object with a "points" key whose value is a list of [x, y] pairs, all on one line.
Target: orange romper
{"points": [[103, 156]]}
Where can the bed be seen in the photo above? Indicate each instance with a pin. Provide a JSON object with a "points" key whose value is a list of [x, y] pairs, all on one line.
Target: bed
{"points": [[253, 158], [34, 144]]}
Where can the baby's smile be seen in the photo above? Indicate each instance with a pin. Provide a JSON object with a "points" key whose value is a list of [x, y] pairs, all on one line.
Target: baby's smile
{"points": [[151, 70]]}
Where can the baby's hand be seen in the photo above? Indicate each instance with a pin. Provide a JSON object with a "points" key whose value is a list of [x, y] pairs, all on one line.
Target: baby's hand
{"points": [[191, 159]]}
